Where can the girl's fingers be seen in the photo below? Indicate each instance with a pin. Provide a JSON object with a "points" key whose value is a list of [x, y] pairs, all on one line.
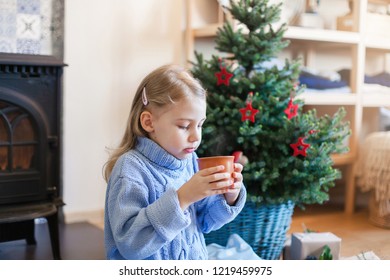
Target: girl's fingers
{"points": [[230, 189], [211, 170], [224, 184], [219, 176], [237, 175], [221, 191], [238, 167], [220, 181]]}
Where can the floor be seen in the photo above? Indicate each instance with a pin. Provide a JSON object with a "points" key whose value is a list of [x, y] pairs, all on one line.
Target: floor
{"points": [[78, 241], [84, 241], [357, 234]]}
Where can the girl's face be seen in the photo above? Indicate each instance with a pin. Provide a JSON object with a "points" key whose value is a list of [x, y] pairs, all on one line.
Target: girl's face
{"points": [[178, 129]]}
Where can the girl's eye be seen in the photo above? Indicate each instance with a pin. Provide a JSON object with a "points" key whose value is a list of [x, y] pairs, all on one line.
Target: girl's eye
{"points": [[184, 127]]}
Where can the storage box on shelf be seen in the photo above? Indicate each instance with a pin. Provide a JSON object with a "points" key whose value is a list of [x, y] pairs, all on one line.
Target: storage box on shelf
{"points": [[372, 21]]}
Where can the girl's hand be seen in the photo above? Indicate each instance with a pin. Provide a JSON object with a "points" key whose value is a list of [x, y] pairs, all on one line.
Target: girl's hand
{"points": [[232, 194], [206, 182]]}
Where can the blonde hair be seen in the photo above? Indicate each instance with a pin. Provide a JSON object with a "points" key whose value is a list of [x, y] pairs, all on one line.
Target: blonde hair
{"points": [[163, 86]]}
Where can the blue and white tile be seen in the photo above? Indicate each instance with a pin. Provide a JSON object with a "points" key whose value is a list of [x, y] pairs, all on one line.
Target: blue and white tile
{"points": [[46, 27], [32, 26], [28, 46], [28, 26], [8, 6], [7, 24], [7, 45], [31, 7]]}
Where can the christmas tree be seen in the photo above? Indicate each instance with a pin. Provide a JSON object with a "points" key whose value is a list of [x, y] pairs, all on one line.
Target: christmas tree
{"points": [[253, 110]]}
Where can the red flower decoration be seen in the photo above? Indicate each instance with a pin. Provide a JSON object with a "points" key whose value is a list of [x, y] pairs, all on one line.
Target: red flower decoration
{"points": [[248, 113], [291, 110], [223, 77], [300, 147]]}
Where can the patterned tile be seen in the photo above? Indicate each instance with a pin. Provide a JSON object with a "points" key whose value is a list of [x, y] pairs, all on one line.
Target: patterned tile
{"points": [[8, 5], [32, 26], [28, 46], [7, 24], [46, 27], [46, 17], [28, 26], [7, 45], [29, 7]]}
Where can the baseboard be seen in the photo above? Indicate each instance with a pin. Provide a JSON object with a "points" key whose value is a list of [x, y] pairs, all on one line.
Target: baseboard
{"points": [[93, 217]]}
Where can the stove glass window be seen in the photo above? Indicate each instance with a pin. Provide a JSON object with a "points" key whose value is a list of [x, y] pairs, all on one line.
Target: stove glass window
{"points": [[18, 140]]}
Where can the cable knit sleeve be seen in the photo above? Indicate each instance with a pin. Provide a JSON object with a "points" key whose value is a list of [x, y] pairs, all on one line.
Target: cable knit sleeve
{"points": [[140, 229], [214, 212]]}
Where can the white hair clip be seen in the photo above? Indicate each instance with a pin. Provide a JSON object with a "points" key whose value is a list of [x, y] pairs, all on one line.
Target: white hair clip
{"points": [[144, 98]]}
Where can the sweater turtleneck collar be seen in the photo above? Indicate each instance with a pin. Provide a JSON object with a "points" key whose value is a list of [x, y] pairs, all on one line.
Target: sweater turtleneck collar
{"points": [[158, 155]]}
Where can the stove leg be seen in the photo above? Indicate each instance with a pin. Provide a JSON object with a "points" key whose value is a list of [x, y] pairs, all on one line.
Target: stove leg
{"points": [[54, 235]]}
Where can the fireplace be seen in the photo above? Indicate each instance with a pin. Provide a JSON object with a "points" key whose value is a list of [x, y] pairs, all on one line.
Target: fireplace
{"points": [[30, 143]]}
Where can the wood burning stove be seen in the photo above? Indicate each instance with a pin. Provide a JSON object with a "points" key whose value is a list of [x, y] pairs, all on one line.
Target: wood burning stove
{"points": [[30, 145]]}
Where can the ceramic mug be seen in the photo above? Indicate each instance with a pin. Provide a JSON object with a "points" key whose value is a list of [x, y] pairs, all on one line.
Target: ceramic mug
{"points": [[227, 161]]}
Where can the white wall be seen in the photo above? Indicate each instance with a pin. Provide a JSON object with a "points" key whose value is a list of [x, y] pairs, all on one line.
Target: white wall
{"points": [[110, 45]]}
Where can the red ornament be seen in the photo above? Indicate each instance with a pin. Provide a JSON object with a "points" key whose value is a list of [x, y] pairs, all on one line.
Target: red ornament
{"points": [[291, 110], [300, 147], [239, 157], [248, 113], [223, 77]]}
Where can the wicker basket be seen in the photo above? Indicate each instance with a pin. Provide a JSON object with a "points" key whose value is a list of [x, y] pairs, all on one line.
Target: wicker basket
{"points": [[263, 227], [375, 216]]}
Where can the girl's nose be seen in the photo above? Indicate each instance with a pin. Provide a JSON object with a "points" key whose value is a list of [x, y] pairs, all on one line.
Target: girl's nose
{"points": [[195, 135]]}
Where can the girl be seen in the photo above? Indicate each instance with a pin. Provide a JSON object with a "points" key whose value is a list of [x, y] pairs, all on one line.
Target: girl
{"points": [[158, 205]]}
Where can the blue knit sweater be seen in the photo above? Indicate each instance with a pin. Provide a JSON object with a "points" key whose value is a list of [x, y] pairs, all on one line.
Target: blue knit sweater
{"points": [[143, 218]]}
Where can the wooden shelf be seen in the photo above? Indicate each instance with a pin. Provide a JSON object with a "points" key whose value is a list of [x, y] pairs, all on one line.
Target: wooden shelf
{"points": [[295, 33], [343, 159], [375, 42], [372, 99], [314, 98], [321, 35], [207, 31], [383, 2]]}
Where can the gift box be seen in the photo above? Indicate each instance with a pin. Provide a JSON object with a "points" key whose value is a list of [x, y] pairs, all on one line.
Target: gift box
{"points": [[287, 248], [310, 245]]}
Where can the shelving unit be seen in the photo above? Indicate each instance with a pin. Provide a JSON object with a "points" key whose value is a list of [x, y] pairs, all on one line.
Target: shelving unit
{"points": [[356, 43]]}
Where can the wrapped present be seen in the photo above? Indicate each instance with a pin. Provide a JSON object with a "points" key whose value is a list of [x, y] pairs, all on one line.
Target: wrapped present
{"points": [[315, 246], [287, 248]]}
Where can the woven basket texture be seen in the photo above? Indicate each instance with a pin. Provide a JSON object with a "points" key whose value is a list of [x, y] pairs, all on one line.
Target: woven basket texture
{"points": [[263, 227], [374, 216]]}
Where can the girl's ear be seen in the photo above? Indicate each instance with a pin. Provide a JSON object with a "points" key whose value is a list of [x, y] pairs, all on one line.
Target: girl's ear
{"points": [[146, 120]]}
